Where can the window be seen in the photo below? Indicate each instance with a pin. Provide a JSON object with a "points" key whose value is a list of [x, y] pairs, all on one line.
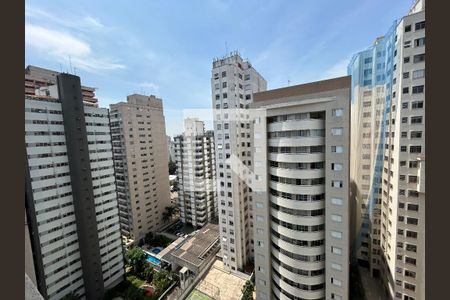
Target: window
{"points": [[410, 247], [403, 148], [416, 120], [336, 266], [410, 274], [224, 74], [412, 221], [336, 250], [336, 281], [247, 77], [336, 201], [368, 60], [416, 134], [338, 112], [224, 84], [418, 74], [410, 260], [335, 296], [224, 95], [406, 59], [405, 120], [406, 75], [337, 183], [336, 218], [406, 90], [337, 131], [419, 58], [407, 28], [259, 218], [411, 234], [419, 42], [336, 167], [337, 149], [336, 234], [407, 44], [415, 149], [420, 25], [417, 105], [405, 105]]}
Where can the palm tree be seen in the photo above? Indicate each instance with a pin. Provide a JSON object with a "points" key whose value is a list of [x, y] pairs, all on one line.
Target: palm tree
{"points": [[168, 213]]}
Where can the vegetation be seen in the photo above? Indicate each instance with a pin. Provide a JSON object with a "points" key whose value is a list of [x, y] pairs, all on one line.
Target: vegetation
{"points": [[247, 290], [172, 167], [162, 280], [157, 240], [128, 289], [136, 259], [168, 213], [140, 273]]}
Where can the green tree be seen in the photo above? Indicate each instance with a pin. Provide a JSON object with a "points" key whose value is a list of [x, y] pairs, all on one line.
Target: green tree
{"points": [[161, 281], [148, 273], [172, 167], [168, 213], [136, 259], [247, 290]]}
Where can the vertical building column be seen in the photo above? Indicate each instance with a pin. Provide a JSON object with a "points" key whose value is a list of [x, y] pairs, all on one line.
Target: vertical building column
{"points": [[82, 190]]}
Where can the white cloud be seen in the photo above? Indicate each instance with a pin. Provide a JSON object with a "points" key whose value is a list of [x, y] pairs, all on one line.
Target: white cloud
{"points": [[62, 46], [86, 23]]}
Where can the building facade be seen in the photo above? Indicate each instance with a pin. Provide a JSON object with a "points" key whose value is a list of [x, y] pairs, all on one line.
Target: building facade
{"points": [[300, 191], [141, 160], [388, 171], [37, 77], [70, 193], [233, 83], [196, 174], [171, 148]]}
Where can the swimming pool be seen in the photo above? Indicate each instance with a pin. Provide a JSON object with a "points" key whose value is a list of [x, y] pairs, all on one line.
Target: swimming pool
{"points": [[153, 260], [156, 250]]}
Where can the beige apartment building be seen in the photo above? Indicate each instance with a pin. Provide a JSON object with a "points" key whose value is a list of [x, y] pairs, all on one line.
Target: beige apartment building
{"points": [[300, 184], [141, 162], [196, 173], [388, 157], [233, 83]]}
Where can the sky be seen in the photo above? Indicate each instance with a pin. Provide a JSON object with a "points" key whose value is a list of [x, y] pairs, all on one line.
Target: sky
{"points": [[166, 47]]}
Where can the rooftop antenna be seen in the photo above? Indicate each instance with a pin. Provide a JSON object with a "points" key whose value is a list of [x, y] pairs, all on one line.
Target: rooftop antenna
{"points": [[289, 82], [60, 68], [74, 70], [70, 64], [226, 48]]}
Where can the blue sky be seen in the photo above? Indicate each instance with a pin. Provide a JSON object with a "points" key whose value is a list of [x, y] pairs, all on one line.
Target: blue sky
{"points": [[166, 47]]}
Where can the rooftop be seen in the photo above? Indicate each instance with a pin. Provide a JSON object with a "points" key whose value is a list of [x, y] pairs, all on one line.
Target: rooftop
{"points": [[196, 248], [212, 286], [304, 89]]}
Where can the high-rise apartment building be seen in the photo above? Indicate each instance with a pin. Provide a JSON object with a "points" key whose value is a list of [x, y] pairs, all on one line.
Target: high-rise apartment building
{"points": [[37, 77], [196, 173], [388, 156], [141, 160], [301, 190], [171, 148], [70, 193], [233, 83]]}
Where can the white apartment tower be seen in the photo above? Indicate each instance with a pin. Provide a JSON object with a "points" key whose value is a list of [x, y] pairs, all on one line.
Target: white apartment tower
{"points": [[71, 201], [196, 174], [301, 138], [388, 172], [141, 161], [233, 83]]}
